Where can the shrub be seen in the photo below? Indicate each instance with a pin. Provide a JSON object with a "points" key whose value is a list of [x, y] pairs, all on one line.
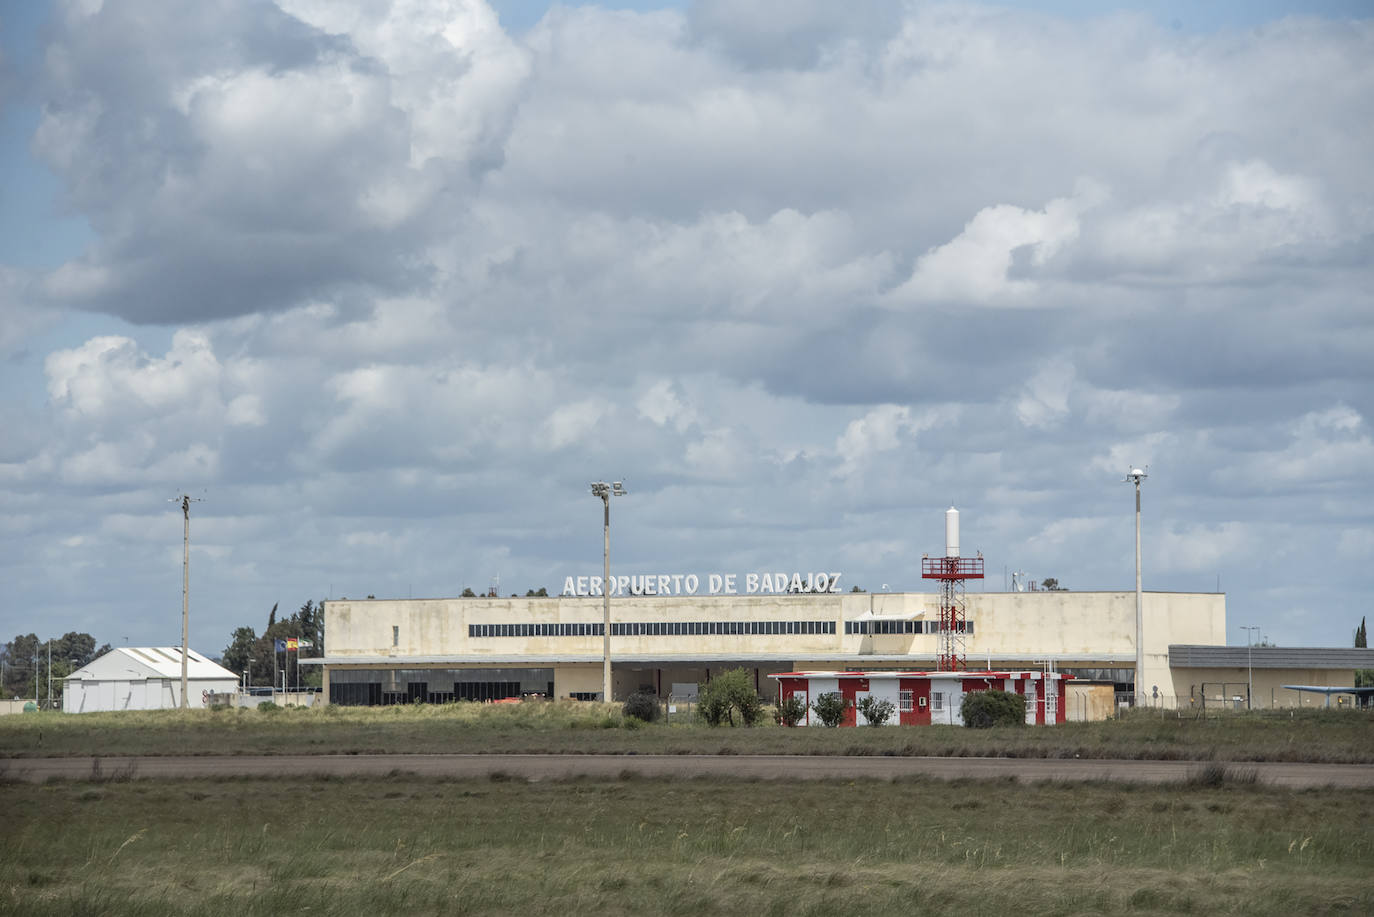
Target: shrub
{"points": [[830, 708], [728, 693], [268, 706], [791, 710], [641, 706], [876, 710], [985, 709]]}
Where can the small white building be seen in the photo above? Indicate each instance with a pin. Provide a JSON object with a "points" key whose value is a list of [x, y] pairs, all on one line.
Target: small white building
{"points": [[144, 678], [925, 698]]}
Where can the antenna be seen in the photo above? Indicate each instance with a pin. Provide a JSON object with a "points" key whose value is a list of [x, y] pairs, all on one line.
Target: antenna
{"points": [[952, 570], [185, 500]]}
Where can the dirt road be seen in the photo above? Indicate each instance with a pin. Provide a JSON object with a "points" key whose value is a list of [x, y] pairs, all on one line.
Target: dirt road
{"points": [[546, 767]]}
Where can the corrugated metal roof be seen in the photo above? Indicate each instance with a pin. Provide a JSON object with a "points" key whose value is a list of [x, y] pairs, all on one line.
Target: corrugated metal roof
{"points": [[151, 662], [1190, 656]]}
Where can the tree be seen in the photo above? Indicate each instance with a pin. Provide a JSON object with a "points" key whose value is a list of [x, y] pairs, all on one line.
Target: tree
{"points": [[21, 667], [541, 593], [984, 709], [830, 708], [791, 710], [258, 654], [728, 693], [876, 710], [1364, 678], [468, 593], [1050, 584], [856, 589], [641, 705], [311, 621], [26, 661], [238, 655]]}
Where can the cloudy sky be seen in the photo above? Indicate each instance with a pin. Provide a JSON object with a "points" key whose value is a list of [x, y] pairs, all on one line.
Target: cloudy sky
{"points": [[388, 283]]}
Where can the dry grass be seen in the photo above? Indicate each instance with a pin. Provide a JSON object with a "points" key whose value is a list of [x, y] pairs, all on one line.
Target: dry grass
{"points": [[406, 845], [573, 728]]}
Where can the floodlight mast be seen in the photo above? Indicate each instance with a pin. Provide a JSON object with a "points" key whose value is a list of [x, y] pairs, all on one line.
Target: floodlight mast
{"points": [[185, 500], [1135, 476], [605, 491]]}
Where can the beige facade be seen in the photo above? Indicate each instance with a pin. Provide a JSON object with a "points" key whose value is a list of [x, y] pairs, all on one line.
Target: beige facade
{"points": [[666, 639], [1229, 686]]}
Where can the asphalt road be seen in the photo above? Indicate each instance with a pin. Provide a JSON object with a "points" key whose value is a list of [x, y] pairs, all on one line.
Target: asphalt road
{"points": [[546, 767]]}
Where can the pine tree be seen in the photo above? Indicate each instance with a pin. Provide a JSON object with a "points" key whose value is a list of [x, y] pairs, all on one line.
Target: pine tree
{"points": [[1361, 636]]}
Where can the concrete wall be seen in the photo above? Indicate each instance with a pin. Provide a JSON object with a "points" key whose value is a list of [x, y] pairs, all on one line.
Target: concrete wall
{"points": [[1225, 684], [1083, 627]]}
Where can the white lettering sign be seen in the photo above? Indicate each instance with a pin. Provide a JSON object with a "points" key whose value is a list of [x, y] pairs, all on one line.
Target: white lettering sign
{"points": [[766, 583]]}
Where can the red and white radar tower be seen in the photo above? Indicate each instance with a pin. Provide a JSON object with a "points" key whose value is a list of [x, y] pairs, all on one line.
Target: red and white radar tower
{"points": [[952, 570]]}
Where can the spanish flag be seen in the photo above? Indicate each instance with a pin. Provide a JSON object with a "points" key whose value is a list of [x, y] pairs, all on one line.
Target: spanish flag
{"points": [[292, 643]]}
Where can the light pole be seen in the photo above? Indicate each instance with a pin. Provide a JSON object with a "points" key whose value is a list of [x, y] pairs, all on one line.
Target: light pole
{"points": [[1249, 665], [1135, 476], [605, 492], [185, 500]]}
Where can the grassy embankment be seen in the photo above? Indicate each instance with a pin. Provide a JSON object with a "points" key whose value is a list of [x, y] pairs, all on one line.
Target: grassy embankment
{"points": [[414, 846], [571, 728]]}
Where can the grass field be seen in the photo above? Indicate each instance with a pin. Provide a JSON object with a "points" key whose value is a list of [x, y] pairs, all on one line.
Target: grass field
{"points": [[413, 846], [572, 728]]}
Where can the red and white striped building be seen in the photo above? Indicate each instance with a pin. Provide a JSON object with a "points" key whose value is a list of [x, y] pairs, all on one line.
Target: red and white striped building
{"points": [[923, 698]]}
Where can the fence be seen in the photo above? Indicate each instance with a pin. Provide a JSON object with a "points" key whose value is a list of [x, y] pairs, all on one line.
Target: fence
{"points": [[1229, 697]]}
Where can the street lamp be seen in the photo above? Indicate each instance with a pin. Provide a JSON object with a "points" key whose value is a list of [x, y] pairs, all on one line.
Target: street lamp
{"points": [[185, 500], [1135, 476], [605, 492], [1249, 664]]}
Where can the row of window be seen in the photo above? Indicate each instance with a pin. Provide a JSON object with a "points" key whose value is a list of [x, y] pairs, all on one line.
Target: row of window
{"points": [[364, 694], [654, 629], [899, 627]]}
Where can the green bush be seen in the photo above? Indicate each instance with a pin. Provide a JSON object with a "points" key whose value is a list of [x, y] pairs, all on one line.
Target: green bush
{"points": [[876, 710], [791, 711], [268, 706], [728, 693], [641, 706], [830, 708], [985, 709]]}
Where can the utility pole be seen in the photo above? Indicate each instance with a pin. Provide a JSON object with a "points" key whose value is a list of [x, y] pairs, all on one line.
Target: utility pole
{"points": [[1136, 475], [185, 500]]}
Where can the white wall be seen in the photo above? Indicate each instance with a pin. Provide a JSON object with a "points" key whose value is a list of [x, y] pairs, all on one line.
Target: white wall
{"points": [[90, 696], [882, 689], [820, 686]]}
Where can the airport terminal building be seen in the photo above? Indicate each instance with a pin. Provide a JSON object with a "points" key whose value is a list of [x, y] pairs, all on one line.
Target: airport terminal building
{"points": [[388, 651]]}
